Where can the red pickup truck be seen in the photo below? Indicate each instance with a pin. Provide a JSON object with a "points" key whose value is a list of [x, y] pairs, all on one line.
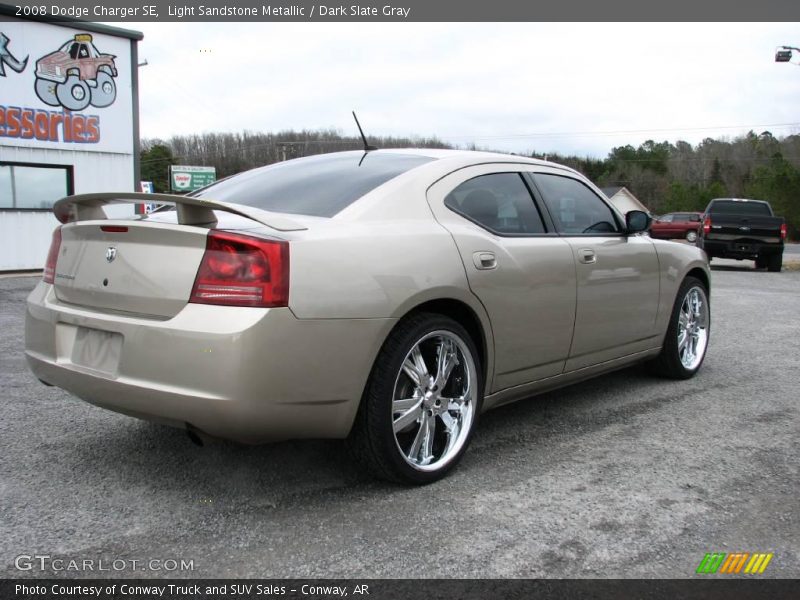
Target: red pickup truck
{"points": [[684, 225]]}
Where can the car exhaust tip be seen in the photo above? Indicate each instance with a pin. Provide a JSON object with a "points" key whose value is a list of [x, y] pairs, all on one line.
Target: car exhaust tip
{"points": [[196, 439], [199, 437]]}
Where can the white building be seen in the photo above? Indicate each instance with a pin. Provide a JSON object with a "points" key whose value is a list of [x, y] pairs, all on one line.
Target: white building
{"points": [[69, 112], [623, 199]]}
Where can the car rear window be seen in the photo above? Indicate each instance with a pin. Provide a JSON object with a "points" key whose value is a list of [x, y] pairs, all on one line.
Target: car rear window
{"points": [[319, 186], [730, 207]]}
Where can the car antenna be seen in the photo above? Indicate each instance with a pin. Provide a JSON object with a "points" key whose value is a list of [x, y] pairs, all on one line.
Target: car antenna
{"points": [[367, 147]]}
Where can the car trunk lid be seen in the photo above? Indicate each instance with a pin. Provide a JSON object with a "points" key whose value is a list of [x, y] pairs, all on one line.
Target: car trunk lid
{"points": [[140, 266], [146, 269]]}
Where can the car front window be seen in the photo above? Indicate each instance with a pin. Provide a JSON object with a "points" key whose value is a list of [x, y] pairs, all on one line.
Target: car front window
{"points": [[574, 207]]}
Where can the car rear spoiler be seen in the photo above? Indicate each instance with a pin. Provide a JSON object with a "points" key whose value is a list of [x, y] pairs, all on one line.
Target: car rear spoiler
{"points": [[191, 211]]}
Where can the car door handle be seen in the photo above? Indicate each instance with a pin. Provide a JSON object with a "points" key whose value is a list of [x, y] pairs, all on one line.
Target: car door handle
{"points": [[484, 260], [587, 256]]}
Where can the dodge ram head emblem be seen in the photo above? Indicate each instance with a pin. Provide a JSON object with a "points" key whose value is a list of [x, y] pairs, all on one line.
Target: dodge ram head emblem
{"points": [[111, 254]]}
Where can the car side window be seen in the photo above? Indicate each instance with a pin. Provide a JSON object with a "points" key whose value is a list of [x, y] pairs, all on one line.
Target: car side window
{"points": [[574, 207], [684, 218], [500, 202]]}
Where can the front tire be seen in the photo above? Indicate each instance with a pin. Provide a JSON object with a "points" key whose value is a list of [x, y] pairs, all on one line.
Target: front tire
{"points": [[74, 94], [689, 330], [421, 402]]}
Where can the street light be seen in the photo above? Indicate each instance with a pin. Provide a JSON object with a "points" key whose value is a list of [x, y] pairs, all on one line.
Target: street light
{"points": [[783, 54]]}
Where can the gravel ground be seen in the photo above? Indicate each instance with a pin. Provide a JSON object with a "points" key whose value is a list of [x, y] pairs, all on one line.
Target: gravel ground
{"points": [[622, 476]]}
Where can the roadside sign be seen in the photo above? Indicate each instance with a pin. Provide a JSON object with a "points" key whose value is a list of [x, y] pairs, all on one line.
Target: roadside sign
{"points": [[146, 187], [183, 178]]}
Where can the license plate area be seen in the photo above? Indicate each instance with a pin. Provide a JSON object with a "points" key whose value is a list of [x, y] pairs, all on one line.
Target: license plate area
{"points": [[89, 349]]}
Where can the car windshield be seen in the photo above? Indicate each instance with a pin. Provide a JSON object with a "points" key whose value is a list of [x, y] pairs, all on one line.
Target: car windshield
{"points": [[733, 207], [319, 186]]}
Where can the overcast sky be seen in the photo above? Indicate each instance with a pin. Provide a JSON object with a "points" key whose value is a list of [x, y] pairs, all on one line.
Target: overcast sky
{"points": [[572, 88]]}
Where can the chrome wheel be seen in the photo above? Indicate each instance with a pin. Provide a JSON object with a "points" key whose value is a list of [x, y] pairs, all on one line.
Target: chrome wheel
{"points": [[693, 328], [433, 404], [691, 236]]}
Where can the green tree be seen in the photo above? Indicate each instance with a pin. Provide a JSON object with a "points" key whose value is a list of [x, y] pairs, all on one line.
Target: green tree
{"points": [[155, 162], [779, 183]]}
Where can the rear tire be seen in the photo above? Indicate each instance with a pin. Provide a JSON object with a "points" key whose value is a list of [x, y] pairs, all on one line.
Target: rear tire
{"points": [[691, 236], [46, 91], [774, 263], [106, 91], [421, 402], [689, 331]]}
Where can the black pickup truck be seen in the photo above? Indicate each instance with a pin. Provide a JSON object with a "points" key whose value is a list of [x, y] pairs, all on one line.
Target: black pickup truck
{"points": [[743, 229]]}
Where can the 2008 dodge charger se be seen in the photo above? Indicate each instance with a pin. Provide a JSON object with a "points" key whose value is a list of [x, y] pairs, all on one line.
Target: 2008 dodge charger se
{"points": [[387, 297]]}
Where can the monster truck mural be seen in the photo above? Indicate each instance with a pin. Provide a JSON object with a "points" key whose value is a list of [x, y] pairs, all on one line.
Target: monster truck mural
{"points": [[76, 75]]}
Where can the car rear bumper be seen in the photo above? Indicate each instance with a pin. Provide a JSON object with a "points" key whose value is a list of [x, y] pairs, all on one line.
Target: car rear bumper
{"points": [[247, 374], [746, 249]]}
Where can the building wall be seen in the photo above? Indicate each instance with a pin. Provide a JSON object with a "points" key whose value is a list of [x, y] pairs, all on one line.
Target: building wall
{"points": [[34, 130], [25, 235], [625, 202]]}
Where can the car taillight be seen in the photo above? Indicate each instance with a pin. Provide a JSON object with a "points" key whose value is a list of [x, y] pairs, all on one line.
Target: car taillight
{"points": [[49, 273], [239, 270], [707, 225], [783, 231]]}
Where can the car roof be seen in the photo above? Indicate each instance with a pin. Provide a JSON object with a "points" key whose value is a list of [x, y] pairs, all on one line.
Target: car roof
{"points": [[447, 160], [739, 200], [477, 155]]}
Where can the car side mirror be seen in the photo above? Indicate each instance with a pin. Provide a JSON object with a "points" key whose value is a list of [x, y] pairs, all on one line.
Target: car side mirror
{"points": [[637, 221]]}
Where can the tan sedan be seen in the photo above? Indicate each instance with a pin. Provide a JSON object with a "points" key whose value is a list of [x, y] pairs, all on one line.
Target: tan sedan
{"points": [[387, 297]]}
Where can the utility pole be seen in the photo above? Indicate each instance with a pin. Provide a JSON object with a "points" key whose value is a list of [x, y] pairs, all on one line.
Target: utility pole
{"points": [[282, 149]]}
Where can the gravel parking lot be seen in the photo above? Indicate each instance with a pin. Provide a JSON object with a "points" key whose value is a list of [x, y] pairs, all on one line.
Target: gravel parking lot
{"points": [[622, 476]]}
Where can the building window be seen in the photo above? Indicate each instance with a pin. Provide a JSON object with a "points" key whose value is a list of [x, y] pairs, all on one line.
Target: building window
{"points": [[33, 187]]}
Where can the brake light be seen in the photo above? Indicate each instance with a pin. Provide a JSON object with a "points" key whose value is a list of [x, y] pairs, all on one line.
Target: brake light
{"points": [[239, 270], [49, 273], [707, 225], [114, 229], [783, 231]]}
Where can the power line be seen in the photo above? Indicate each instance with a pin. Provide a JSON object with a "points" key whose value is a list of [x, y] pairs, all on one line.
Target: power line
{"points": [[618, 132]]}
